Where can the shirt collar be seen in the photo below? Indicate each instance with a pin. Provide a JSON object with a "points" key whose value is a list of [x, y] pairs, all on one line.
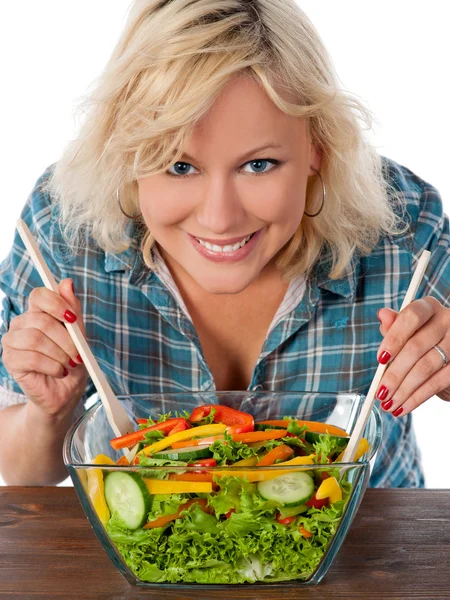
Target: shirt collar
{"points": [[125, 260], [343, 286]]}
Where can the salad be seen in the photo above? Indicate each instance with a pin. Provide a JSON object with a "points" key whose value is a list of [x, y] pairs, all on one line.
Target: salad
{"points": [[219, 498]]}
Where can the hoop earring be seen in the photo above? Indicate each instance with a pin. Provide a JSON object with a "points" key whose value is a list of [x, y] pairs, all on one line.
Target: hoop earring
{"points": [[324, 195], [122, 211]]}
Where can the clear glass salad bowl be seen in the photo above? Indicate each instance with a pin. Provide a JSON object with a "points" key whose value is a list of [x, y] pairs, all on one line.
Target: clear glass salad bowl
{"points": [[247, 524]]}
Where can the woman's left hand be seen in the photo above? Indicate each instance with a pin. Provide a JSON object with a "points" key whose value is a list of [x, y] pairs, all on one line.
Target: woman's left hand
{"points": [[417, 370]]}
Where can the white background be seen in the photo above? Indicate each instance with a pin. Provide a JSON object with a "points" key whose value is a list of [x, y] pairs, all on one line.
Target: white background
{"points": [[393, 55]]}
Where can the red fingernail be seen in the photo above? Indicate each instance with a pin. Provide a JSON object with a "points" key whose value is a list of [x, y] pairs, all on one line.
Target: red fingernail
{"points": [[79, 359], [70, 317], [65, 373], [385, 357], [386, 405], [72, 363], [398, 411], [382, 393]]}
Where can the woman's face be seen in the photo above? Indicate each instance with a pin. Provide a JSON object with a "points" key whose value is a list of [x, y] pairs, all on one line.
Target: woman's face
{"points": [[220, 216]]}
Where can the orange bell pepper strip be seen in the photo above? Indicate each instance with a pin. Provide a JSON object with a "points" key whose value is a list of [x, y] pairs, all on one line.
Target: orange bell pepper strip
{"points": [[305, 533], [161, 521], [131, 439], [280, 452], [237, 421], [316, 426], [246, 438], [123, 460], [259, 436]]}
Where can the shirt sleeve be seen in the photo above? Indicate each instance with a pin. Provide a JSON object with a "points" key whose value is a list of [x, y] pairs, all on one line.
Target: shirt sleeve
{"points": [[428, 229], [431, 232], [18, 276]]}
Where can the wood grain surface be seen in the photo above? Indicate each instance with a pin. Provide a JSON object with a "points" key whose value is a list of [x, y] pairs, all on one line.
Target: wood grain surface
{"points": [[397, 548]]}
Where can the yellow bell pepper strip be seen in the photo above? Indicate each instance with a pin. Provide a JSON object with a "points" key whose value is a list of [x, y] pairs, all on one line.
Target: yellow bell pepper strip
{"points": [[363, 447], [246, 462], [192, 477], [329, 488], [298, 460], [95, 487], [316, 426], [167, 486], [204, 441], [188, 434], [161, 521], [277, 453]]}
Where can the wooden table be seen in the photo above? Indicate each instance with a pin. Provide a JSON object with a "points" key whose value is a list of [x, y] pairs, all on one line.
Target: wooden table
{"points": [[398, 547]]}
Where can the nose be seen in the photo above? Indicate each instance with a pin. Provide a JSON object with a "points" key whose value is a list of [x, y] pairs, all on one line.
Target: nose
{"points": [[220, 209]]}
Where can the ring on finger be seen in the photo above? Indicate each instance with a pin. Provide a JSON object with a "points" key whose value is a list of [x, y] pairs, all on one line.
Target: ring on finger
{"points": [[443, 355]]}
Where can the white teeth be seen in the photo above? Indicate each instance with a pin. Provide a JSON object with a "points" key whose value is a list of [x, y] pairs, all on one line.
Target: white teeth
{"points": [[228, 248]]}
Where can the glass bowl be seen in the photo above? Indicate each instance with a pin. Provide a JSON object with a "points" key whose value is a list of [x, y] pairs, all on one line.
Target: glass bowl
{"points": [[250, 544]]}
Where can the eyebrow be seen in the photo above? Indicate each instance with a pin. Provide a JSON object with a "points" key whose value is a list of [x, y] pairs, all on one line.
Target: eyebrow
{"points": [[272, 145]]}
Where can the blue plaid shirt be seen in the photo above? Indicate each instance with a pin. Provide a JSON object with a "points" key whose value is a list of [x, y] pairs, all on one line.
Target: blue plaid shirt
{"points": [[144, 340]]}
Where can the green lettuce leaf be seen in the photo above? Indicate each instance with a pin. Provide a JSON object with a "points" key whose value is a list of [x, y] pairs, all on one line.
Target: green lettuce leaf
{"points": [[248, 546]]}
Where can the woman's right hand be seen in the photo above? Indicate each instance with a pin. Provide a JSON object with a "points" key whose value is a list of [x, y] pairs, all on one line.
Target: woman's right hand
{"points": [[40, 355]]}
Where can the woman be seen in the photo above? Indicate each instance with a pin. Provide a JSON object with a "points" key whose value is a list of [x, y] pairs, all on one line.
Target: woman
{"points": [[221, 223]]}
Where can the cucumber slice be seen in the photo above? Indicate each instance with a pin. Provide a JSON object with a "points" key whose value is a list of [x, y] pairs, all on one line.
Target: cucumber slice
{"points": [[291, 489], [312, 437], [292, 511], [127, 496], [265, 426], [186, 454]]}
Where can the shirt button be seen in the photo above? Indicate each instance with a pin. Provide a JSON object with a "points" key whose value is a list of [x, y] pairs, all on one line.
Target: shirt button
{"points": [[258, 387]]}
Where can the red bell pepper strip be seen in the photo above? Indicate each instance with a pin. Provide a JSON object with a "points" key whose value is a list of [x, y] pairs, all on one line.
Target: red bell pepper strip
{"points": [[181, 426], [237, 421], [229, 513], [130, 439], [315, 503], [203, 462], [285, 521]]}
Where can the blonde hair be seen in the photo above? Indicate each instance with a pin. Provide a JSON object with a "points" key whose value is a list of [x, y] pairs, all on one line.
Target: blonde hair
{"points": [[173, 59]]}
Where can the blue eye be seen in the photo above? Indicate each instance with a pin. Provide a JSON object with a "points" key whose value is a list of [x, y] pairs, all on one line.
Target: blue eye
{"points": [[181, 168], [261, 163]]}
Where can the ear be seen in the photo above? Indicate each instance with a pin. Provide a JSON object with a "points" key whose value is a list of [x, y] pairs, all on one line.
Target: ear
{"points": [[315, 158]]}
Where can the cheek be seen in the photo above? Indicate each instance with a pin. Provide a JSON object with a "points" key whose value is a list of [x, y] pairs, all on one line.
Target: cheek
{"points": [[278, 204], [160, 208]]}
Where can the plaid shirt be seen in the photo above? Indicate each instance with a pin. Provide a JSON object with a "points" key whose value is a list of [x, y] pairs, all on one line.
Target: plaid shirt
{"points": [[324, 337]]}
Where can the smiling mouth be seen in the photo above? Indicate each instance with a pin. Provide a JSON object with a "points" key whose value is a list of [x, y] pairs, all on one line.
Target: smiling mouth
{"points": [[226, 248]]}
